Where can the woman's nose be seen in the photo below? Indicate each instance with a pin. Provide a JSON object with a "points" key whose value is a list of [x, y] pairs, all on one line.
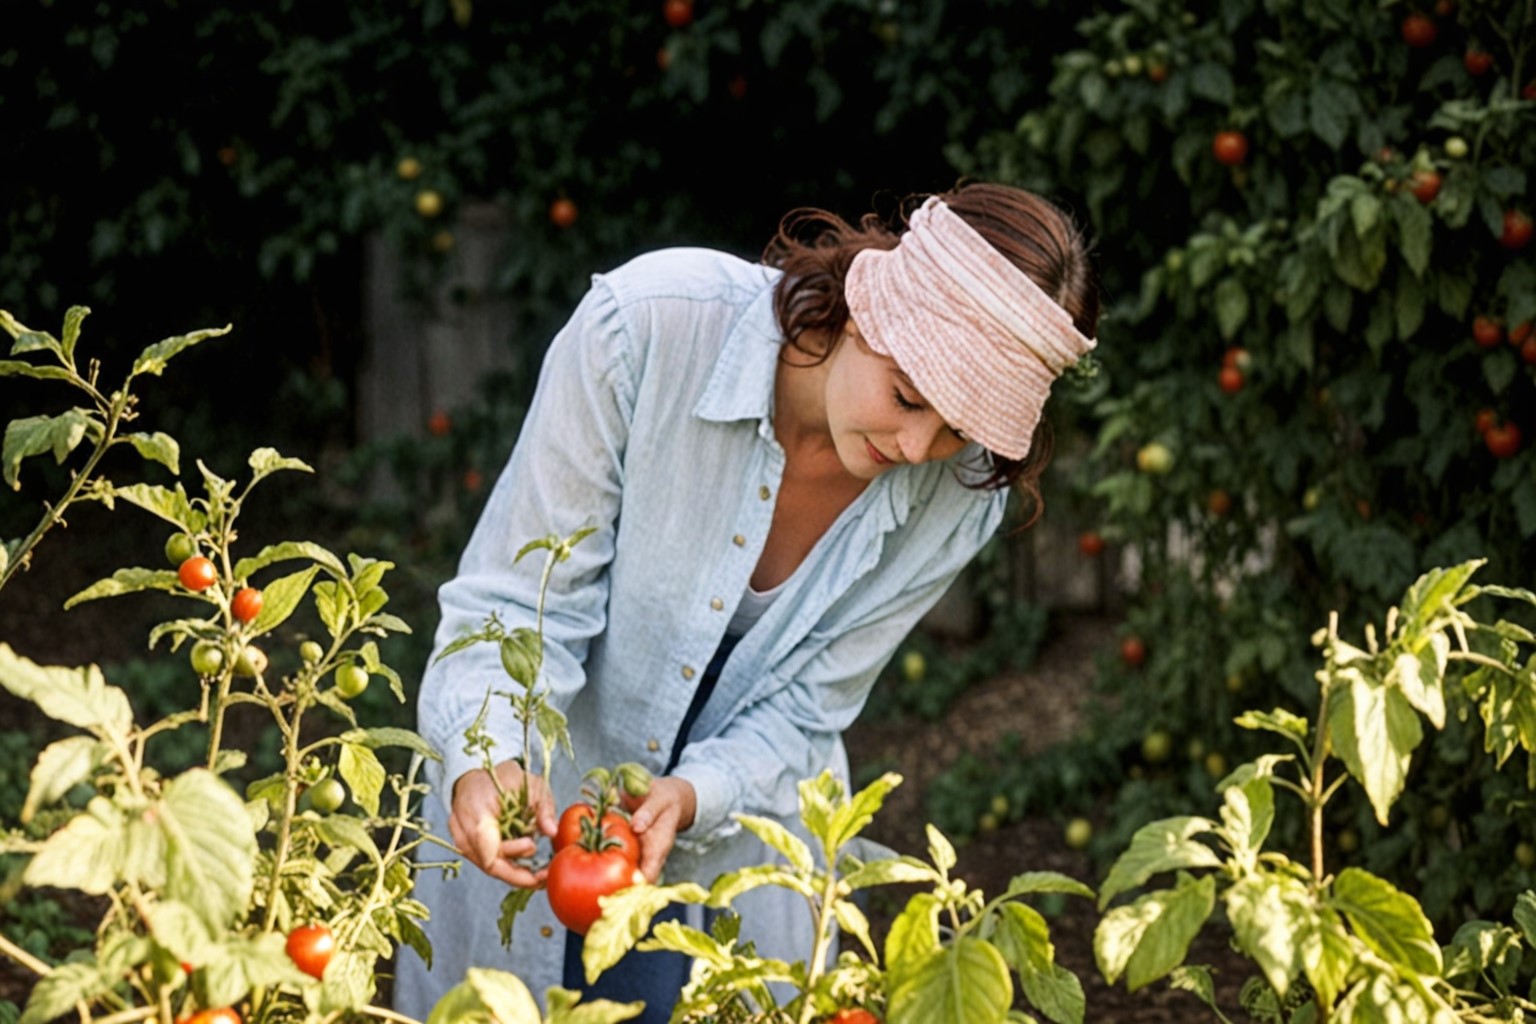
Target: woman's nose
{"points": [[930, 439]]}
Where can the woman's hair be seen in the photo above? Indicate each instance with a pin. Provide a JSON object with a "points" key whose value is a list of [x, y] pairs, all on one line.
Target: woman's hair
{"points": [[815, 248]]}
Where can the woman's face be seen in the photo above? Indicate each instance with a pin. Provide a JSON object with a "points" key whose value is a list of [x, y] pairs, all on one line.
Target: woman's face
{"points": [[878, 419]]}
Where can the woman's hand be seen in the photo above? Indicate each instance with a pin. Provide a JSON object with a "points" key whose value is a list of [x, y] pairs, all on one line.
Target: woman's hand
{"points": [[475, 823], [658, 817]]}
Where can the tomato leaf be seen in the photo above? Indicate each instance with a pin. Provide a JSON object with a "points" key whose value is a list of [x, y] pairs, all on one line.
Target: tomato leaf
{"points": [[266, 461], [170, 504], [1374, 730], [1046, 881], [177, 928], [20, 368], [1269, 913], [852, 920], [940, 850], [243, 964], [627, 918], [210, 846], [158, 447], [28, 340], [344, 832], [391, 736], [153, 359], [914, 935], [563, 1009], [279, 600], [347, 985], [781, 839], [1327, 954], [851, 818], [732, 884], [1146, 939], [1390, 922], [1159, 846], [513, 903], [364, 775], [59, 768], [894, 871], [1023, 938], [57, 992], [1055, 992], [966, 980], [86, 854], [126, 581], [77, 696], [35, 435], [248, 567]]}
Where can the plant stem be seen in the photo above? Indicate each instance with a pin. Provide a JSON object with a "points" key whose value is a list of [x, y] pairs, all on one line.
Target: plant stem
{"points": [[818, 961], [290, 805], [24, 958]]}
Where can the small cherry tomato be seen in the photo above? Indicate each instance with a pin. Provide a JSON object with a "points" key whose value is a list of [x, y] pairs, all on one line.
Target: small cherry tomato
{"points": [[1424, 185], [207, 658], [197, 574], [1218, 503], [252, 662], [310, 947], [1503, 441], [327, 795], [1419, 31], [1230, 147], [853, 1015], [1517, 230], [311, 652], [1090, 543], [1133, 651], [179, 547], [1478, 62], [246, 604], [1230, 378], [562, 213], [223, 1015], [1487, 332], [678, 13], [1486, 420], [351, 680]]}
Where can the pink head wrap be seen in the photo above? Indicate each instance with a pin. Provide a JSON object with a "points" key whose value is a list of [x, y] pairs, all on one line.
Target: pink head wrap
{"points": [[978, 337]]}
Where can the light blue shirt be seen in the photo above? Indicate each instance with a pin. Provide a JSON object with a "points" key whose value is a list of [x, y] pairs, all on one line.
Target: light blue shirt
{"points": [[652, 421]]}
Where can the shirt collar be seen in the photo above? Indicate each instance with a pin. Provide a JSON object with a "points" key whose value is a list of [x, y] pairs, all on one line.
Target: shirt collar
{"points": [[741, 384]]}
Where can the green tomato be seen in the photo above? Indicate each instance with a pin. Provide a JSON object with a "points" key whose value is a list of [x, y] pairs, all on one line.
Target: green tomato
{"points": [[1156, 746], [914, 666], [1525, 854], [351, 680], [1155, 458], [1455, 147], [252, 661], [311, 652], [179, 547], [207, 658], [327, 795], [1079, 831]]}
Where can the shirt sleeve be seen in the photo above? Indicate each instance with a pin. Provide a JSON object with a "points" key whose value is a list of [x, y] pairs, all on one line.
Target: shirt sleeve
{"points": [[755, 764], [565, 473]]}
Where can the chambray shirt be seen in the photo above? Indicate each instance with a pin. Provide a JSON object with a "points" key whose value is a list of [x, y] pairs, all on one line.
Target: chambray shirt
{"points": [[652, 421]]}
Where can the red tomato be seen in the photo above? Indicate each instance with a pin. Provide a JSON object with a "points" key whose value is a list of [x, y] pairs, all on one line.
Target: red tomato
{"points": [[1478, 62], [1230, 379], [224, 1015], [1419, 31], [473, 480], [578, 878], [1528, 351], [1517, 230], [1487, 419], [1424, 185], [1133, 651], [1218, 502], [1230, 147], [614, 827], [853, 1015], [1236, 356], [1157, 72], [1518, 333], [246, 604], [1503, 441], [197, 574], [679, 13], [562, 213], [439, 423], [1487, 332], [310, 947], [1090, 543]]}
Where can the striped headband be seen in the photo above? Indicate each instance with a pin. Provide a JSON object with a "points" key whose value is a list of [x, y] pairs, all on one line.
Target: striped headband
{"points": [[977, 336]]}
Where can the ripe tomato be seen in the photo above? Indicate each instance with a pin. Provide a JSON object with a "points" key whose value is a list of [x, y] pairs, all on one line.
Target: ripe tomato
{"points": [[562, 213], [351, 680], [1236, 356], [1487, 332], [1230, 147], [197, 574], [614, 827], [1090, 543], [1419, 31], [1478, 62], [246, 604], [1519, 333], [578, 878], [207, 658], [1218, 502], [1528, 351], [310, 947], [1133, 651], [1157, 72], [223, 1015], [473, 481], [1424, 185], [1231, 379], [178, 548], [1487, 419], [1503, 441], [853, 1015], [678, 13], [1517, 230], [439, 423]]}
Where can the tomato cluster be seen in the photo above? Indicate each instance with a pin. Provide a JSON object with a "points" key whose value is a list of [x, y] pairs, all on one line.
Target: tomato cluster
{"points": [[594, 857]]}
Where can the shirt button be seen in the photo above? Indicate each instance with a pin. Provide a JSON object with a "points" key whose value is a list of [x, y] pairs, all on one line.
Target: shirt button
{"points": [[687, 671], [739, 541], [652, 746], [546, 931], [717, 604], [764, 493]]}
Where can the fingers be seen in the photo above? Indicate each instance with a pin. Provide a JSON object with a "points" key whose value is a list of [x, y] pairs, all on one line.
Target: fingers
{"points": [[657, 820], [475, 827]]}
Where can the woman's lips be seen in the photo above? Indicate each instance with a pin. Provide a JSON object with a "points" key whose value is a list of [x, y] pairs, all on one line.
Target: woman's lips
{"points": [[874, 453]]}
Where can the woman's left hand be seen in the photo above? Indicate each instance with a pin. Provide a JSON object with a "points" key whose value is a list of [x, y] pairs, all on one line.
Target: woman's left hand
{"points": [[658, 817]]}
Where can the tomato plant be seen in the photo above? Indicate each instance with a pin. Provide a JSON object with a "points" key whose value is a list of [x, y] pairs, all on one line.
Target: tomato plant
{"points": [[178, 548], [246, 604], [197, 574], [311, 947]]}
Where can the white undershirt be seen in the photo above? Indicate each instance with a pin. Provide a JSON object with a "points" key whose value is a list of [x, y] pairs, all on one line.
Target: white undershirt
{"points": [[753, 604]]}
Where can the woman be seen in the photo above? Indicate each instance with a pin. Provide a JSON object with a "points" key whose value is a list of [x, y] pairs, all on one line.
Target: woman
{"points": [[787, 463]]}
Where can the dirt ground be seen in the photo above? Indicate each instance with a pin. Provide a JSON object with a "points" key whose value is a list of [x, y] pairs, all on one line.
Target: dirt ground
{"points": [[1043, 706]]}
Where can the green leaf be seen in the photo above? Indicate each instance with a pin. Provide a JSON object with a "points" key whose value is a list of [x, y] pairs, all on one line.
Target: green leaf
{"points": [[1164, 845], [781, 839], [1415, 229], [1409, 307], [1525, 916], [167, 503], [210, 846], [1046, 881], [849, 819], [344, 832], [1508, 709], [1421, 676], [77, 696], [1269, 913], [852, 920], [87, 854], [56, 994], [522, 655], [279, 600], [248, 567], [732, 884], [391, 736], [153, 359], [940, 850], [243, 964], [126, 581], [1279, 720], [180, 930], [1023, 938], [913, 937], [564, 1009], [1247, 812], [28, 340], [158, 447], [1327, 954], [1055, 992], [73, 318], [1197, 980], [266, 461], [59, 768], [1364, 212], [364, 775], [19, 368], [1388, 921], [38, 434], [1374, 731], [1231, 307], [897, 871], [966, 981], [627, 918], [1328, 112], [1146, 939]]}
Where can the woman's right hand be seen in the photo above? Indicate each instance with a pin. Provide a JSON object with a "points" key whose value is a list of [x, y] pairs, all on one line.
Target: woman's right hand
{"points": [[475, 823]]}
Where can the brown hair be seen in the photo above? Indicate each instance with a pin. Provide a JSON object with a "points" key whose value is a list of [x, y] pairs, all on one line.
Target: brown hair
{"points": [[815, 248]]}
